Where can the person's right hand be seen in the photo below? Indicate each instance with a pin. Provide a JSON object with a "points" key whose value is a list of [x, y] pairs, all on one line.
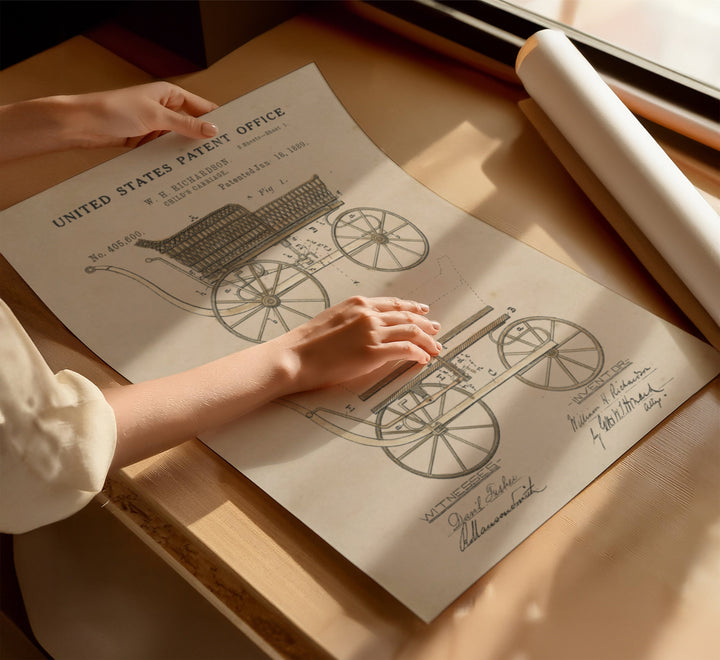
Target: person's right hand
{"points": [[346, 341], [355, 337]]}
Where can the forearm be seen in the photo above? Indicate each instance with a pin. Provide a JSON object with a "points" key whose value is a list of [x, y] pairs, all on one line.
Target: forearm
{"points": [[349, 340], [39, 126], [159, 414], [124, 117]]}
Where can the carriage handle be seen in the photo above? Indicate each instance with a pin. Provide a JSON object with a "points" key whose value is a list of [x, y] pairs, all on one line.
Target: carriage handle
{"points": [[188, 307], [178, 302]]}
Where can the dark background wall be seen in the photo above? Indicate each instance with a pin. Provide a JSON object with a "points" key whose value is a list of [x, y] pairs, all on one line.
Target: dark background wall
{"points": [[27, 28], [199, 31]]}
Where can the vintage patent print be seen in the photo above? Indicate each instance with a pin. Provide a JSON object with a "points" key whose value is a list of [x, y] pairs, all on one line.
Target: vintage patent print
{"points": [[424, 477]]}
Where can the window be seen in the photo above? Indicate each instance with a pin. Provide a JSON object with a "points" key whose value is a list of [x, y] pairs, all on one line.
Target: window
{"points": [[638, 45]]}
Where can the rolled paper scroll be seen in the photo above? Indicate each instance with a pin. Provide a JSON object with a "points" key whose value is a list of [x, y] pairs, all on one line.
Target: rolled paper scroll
{"points": [[625, 158]]}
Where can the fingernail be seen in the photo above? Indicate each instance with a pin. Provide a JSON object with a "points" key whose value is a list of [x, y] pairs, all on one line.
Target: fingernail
{"points": [[208, 129], [438, 345], [435, 325], [423, 307]]}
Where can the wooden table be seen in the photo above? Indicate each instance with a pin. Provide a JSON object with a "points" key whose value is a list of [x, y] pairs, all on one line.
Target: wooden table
{"points": [[630, 568]]}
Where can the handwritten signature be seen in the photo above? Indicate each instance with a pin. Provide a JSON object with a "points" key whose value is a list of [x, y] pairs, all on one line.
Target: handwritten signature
{"points": [[493, 491], [618, 399], [646, 400], [470, 528]]}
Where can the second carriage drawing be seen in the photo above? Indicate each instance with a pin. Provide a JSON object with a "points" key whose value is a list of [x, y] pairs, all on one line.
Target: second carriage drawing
{"points": [[437, 423], [257, 299]]}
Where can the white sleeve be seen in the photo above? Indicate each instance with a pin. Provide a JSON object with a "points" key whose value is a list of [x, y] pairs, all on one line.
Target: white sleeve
{"points": [[57, 435]]}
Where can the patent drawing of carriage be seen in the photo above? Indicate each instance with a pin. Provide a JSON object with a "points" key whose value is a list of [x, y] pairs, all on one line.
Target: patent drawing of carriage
{"points": [[437, 423], [257, 299]]}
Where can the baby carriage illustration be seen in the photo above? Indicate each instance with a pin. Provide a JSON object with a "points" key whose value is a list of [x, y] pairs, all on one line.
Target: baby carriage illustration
{"points": [[257, 299], [437, 424]]}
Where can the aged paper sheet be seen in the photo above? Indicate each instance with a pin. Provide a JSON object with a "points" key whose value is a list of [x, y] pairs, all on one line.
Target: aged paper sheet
{"points": [[180, 252]]}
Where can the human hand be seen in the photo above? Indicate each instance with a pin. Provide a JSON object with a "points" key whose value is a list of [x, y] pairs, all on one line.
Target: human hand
{"points": [[122, 117], [346, 341], [355, 337], [134, 115]]}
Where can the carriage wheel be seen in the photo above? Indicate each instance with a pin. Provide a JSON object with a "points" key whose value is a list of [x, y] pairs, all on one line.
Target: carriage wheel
{"points": [[379, 239], [454, 448], [260, 300], [575, 361]]}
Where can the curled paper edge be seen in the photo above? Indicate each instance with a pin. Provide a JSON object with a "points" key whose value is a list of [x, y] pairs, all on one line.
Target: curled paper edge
{"points": [[656, 195]]}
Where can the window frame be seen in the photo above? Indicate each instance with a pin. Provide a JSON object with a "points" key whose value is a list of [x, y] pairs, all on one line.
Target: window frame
{"points": [[495, 29]]}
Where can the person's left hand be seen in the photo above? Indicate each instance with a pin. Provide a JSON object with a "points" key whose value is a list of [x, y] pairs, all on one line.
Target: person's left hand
{"points": [[122, 117], [134, 115]]}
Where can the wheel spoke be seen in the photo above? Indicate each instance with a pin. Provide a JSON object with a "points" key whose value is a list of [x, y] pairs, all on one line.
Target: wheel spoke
{"points": [[360, 248], [381, 223], [570, 349], [247, 286], [258, 279], [404, 239], [403, 223], [466, 446], [454, 453], [400, 248], [566, 370], [289, 288], [567, 339], [579, 350], [376, 256], [387, 250], [523, 341], [302, 300], [470, 427], [277, 279], [458, 438], [538, 337], [280, 318], [247, 316], [564, 357], [415, 445], [263, 298], [294, 311], [433, 453], [363, 235], [235, 301], [552, 329], [399, 244], [365, 218], [547, 372]]}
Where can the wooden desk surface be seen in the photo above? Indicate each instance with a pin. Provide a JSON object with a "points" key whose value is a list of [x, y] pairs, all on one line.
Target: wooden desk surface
{"points": [[630, 568]]}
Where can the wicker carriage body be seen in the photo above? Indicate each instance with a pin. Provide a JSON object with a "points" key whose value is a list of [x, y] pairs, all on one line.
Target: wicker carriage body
{"points": [[232, 234]]}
